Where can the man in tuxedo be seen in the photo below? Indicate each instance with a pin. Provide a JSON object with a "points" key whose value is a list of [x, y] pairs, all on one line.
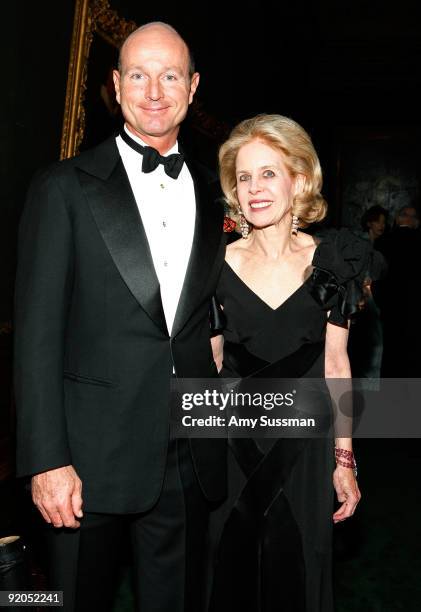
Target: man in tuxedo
{"points": [[119, 254]]}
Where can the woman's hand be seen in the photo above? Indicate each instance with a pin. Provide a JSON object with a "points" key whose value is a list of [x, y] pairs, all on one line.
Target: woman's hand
{"points": [[347, 491]]}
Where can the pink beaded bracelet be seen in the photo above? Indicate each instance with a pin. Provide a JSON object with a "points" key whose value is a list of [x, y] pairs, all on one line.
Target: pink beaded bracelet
{"points": [[346, 458], [346, 454]]}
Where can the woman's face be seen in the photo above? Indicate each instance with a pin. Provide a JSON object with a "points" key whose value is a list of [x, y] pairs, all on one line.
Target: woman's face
{"points": [[377, 227], [265, 189]]}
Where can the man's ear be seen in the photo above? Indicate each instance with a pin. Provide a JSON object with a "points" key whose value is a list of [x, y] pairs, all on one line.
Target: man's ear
{"points": [[194, 82], [116, 79]]}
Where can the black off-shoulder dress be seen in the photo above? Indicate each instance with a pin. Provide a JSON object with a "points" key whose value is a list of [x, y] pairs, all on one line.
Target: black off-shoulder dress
{"points": [[272, 538]]}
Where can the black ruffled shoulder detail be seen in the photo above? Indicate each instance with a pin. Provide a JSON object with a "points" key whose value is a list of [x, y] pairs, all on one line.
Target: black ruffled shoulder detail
{"points": [[341, 263]]}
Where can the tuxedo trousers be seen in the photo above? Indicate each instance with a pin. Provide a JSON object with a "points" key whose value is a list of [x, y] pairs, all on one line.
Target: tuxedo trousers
{"points": [[167, 549]]}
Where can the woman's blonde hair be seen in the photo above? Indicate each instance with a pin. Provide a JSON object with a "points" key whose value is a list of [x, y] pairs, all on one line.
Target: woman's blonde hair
{"points": [[300, 157]]}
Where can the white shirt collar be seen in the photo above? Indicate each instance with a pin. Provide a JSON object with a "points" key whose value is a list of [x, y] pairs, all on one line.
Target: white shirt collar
{"points": [[174, 148]]}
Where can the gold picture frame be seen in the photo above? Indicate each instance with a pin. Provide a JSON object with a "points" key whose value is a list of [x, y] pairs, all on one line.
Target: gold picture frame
{"points": [[96, 18], [91, 17]]}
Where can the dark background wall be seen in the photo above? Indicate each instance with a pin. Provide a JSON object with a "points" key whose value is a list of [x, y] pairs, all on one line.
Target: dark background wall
{"points": [[35, 50]]}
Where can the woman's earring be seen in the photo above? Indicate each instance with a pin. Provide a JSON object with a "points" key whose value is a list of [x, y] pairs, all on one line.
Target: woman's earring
{"points": [[244, 226], [294, 225]]}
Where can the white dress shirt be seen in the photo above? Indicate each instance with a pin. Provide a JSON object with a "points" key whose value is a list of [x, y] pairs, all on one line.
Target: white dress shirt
{"points": [[167, 208]]}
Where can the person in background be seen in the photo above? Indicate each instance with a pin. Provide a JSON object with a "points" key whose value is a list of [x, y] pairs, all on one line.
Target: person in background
{"points": [[407, 216], [398, 296], [365, 347], [374, 221]]}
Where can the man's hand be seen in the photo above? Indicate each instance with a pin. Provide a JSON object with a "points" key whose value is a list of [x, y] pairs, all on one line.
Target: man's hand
{"points": [[58, 496]]}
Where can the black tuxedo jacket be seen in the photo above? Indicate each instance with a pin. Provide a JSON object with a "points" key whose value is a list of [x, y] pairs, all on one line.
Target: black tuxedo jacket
{"points": [[93, 356]]}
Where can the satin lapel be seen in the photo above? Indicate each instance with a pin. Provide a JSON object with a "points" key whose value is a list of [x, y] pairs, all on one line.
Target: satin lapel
{"points": [[208, 235], [117, 216]]}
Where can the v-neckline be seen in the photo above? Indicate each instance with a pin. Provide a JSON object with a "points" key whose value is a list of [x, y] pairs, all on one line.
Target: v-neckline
{"points": [[257, 296]]}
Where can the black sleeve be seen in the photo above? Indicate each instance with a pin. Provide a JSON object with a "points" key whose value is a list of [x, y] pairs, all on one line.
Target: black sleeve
{"points": [[43, 290]]}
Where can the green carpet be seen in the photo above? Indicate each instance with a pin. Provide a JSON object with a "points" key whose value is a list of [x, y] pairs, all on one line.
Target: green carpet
{"points": [[378, 560]]}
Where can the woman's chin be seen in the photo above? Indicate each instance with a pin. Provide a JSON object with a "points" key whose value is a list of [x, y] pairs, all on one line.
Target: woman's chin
{"points": [[260, 224]]}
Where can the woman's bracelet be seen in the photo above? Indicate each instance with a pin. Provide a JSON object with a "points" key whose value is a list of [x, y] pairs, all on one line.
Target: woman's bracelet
{"points": [[345, 454], [346, 458]]}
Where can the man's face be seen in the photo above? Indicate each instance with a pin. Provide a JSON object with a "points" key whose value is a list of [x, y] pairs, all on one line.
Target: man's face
{"points": [[408, 217], [154, 88]]}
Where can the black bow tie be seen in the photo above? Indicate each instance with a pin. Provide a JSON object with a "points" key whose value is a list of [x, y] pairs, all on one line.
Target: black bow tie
{"points": [[152, 158]]}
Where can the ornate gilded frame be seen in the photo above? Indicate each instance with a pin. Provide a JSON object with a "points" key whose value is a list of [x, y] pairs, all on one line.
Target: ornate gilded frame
{"points": [[91, 16], [96, 17]]}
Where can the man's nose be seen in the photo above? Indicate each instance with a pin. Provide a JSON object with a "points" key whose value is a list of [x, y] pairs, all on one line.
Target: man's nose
{"points": [[153, 90]]}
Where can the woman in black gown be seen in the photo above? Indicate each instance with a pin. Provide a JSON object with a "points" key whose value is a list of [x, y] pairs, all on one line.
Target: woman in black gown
{"points": [[286, 297]]}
